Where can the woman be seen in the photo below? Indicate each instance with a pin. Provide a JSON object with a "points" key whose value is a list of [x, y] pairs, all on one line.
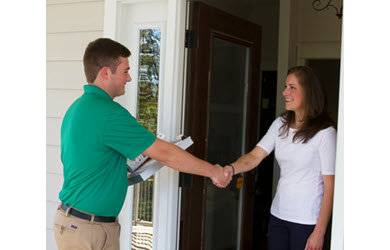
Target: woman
{"points": [[304, 140]]}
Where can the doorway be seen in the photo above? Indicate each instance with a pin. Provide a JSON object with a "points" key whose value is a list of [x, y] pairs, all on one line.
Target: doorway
{"points": [[329, 73], [222, 117]]}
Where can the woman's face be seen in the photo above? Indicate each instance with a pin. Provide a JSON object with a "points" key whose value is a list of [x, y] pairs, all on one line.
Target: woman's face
{"points": [[293, 94]]}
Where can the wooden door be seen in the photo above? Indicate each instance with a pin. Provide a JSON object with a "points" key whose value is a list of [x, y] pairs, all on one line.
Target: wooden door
{"points": [[222, 114]]}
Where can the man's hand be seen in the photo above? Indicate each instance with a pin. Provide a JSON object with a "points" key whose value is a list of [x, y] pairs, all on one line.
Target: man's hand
{"points": [[228, 170], [223, 178]]}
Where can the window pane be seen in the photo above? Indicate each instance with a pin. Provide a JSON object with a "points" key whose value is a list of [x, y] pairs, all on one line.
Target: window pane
{"points": [[147, 110], [226, 141], [148, 78]]}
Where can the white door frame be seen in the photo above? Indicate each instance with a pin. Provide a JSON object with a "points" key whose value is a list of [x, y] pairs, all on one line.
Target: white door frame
{"points": [[166, 195]]}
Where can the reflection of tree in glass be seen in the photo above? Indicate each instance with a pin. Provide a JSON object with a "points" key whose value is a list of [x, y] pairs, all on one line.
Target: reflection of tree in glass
{"points": [[148, 82], [148, 78]]}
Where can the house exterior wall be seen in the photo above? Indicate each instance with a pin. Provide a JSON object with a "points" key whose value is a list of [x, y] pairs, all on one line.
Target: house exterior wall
{"points": [[70, 26]]}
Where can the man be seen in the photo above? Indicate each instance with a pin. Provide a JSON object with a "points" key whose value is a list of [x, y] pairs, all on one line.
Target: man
{"points": [[97, 137]]}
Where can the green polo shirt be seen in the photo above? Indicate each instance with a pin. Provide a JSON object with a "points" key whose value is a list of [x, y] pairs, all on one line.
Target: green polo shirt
{"points": [[97, 137]]}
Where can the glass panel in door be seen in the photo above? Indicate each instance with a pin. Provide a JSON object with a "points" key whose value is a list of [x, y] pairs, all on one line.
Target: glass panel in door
{"points": [[147, 111], [226, 140]]}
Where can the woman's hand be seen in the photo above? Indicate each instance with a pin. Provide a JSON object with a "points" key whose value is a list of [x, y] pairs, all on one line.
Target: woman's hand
{"points": [[315, 241]]}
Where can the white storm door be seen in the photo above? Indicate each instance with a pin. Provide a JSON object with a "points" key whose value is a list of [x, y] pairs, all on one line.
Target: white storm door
{"points": [[122, 22]]}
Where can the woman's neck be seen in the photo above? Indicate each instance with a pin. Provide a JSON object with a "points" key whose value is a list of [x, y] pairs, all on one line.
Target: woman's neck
{"points": [[298, 120]]}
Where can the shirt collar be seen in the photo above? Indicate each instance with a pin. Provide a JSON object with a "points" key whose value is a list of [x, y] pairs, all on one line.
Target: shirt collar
{"points": [[92, 89]]}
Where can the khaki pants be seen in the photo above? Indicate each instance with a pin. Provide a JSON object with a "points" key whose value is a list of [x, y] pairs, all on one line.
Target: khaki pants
{"points": [[75, 233]]}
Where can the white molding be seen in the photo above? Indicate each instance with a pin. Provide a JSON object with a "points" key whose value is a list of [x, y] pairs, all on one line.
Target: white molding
{"points": [[165, 221], [110, 19], [337, 239], [125, 219], [174, 66]]}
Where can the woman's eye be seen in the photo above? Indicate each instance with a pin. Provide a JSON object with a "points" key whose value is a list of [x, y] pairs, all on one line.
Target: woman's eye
{"points": [[293, 87]]}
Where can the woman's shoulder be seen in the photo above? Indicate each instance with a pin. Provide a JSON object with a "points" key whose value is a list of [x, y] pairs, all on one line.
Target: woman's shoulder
{"points": [[278, 122], [328, 130], [326, 133]]}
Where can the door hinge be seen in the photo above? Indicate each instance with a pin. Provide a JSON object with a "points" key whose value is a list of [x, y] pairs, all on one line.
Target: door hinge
{"points": [[191, 39]]}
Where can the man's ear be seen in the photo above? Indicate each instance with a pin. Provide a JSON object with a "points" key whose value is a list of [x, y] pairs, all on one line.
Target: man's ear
{"points": [[103, 73]]}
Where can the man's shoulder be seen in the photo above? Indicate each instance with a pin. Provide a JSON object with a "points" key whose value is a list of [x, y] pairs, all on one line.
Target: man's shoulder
{"points": [[97, 103]]}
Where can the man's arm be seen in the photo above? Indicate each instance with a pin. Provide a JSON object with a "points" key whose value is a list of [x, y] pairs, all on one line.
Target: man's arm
{"points": [[174, 157]]}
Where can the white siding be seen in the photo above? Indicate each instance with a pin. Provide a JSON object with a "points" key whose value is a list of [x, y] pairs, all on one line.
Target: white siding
{"points": [[53, 159], [59, 100], [71, 74], [70, 26], [73, 17]]}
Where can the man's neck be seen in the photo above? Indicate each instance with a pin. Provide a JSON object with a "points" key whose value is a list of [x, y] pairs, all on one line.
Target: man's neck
{"points": [[101, 86]]}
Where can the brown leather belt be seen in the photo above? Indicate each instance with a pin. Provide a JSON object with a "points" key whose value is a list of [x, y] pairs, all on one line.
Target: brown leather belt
{"points": [[85, 216]]}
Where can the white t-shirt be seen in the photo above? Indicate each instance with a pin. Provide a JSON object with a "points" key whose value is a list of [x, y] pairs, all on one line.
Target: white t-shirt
{"points": [[300, 188]]}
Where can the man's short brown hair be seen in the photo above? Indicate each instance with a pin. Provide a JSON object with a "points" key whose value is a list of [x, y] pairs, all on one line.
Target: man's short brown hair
{"points": [[102, 52]]}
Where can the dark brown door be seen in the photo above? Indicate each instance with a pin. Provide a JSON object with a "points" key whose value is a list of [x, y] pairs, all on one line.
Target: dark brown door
{"points": [[222, 116]]}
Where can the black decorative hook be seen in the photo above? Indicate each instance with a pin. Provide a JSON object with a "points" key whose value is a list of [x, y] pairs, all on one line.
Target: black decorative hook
{"points": [[317, 6]]}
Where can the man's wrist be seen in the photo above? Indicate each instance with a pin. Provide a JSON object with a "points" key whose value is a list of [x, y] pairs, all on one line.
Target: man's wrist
{"points": [[215, 173]]}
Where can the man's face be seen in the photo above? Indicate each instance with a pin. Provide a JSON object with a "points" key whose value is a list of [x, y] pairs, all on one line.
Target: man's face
{"points": [[120, 78]]}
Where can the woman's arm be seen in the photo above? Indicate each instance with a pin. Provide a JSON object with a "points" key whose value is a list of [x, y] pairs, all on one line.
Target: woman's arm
{"points": [[248, 161], [316, 239]]}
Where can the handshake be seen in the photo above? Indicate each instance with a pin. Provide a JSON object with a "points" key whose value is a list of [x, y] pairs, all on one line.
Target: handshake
{"points": [[223, 175]]}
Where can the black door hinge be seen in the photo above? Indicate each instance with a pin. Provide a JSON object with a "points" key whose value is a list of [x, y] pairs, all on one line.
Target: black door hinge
{"points": [[191, 39]]}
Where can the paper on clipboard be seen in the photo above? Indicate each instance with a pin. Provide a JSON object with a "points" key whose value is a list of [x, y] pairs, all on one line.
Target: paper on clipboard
{"points": [[143, 167]]}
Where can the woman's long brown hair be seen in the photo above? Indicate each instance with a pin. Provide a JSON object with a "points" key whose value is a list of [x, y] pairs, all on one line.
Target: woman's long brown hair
{"points": [[316, 117]]}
